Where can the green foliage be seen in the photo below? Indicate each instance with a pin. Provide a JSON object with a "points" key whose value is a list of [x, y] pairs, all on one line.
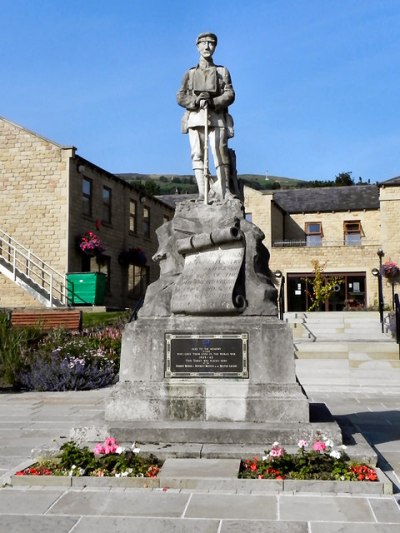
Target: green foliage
{"points": [[322, 286], [105, 318], [75, 461], [14, 344], [61, 360], [344, 179], [306, 465]]}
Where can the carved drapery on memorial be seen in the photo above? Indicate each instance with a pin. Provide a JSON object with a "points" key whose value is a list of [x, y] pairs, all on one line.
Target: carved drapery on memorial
{"points": [[211, 281]]}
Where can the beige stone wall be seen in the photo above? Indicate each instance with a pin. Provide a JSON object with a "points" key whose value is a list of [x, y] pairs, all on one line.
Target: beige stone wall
{"points": [[41, 207], [33, 207], [115, 236], [378, 231], [332, 225], [390, 208]]}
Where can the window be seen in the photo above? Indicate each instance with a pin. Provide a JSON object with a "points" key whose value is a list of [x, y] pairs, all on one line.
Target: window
{"points": [[146, 221], [132, 216], [352, 233], [106, 214], [138, 280], [87, 196], [313, 233]]}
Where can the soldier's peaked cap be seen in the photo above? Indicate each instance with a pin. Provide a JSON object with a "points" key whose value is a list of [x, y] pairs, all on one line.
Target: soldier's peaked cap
{"points": [[211, 37]]}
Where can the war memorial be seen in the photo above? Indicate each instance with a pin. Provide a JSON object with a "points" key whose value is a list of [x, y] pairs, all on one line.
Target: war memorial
{"points": [[207, 359]]}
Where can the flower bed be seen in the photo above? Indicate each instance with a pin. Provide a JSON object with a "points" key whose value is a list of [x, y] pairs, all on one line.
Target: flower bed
{"points": [[320, 461], [107, 459]]}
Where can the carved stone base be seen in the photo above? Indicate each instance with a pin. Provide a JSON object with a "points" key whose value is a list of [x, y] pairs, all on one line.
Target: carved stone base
{"points": [[270, 395]]}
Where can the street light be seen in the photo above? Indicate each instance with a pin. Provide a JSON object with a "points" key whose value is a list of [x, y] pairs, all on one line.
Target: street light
{"points": [[378, 273], [281, 298]]}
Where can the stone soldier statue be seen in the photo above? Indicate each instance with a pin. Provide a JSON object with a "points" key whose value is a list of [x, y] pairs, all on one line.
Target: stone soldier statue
{"points": [[206, 93]]}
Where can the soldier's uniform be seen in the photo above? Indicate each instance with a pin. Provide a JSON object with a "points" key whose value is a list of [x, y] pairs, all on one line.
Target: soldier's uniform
{"points": [[214, 80]]}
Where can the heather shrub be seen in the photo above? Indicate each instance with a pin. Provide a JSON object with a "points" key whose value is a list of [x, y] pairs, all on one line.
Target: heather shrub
{"points": [[73, 361], [14, 344]]}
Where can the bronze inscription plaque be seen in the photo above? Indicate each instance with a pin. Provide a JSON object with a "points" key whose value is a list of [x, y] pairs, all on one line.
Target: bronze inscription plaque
{"points": [[206, 355]]}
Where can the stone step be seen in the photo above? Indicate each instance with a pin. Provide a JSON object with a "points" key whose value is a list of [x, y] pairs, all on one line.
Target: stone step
{"points": [[347, 350]]}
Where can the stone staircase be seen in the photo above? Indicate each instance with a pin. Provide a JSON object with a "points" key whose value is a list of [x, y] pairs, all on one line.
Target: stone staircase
{"points": [[338, 351], [32, 274]]}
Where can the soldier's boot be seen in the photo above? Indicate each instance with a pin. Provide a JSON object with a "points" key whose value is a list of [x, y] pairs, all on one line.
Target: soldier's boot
{"points": [[222, 180], [199, 175]]}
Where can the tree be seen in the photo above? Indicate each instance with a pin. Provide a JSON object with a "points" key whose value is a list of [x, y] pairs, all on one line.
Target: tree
{"points": [[322, 286], [344, 179]]}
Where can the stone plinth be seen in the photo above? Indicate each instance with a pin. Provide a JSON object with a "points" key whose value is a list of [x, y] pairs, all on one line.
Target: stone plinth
{"points": [[270, 395]]}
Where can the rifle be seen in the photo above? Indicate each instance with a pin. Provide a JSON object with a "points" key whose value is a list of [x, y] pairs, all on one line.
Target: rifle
{"points": [[206, 170]]}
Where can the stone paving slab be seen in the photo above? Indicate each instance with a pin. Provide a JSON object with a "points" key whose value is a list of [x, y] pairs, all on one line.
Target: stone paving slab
{"points": [[232, 506], [146, 525], [200, 468], [342, 527], [328, 509], [253, 526], [27, 501], [138, 503], [37, 524], [385, 510]]}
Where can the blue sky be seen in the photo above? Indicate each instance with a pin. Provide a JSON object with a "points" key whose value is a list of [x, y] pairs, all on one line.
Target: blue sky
{"points": [[317, 82]]}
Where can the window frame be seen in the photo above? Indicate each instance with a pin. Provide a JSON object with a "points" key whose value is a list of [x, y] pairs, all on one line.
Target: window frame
{"points": [[313, 238], [106, 214], [133, 215], [347, 233], [146, 221], [87, 198]]}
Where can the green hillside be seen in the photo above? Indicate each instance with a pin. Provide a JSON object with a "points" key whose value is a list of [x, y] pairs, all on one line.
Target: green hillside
{"points": [[172, 183]]}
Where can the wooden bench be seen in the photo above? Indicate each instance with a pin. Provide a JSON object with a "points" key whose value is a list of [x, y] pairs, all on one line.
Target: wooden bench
{"points": [[49, 319]]}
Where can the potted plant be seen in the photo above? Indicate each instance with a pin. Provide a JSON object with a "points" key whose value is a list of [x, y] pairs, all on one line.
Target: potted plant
{"points": [[90, 244]]}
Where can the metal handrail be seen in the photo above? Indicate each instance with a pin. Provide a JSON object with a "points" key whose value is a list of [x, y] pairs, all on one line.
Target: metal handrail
{"points": [[397, 309], [24, 262], [287, 243]]}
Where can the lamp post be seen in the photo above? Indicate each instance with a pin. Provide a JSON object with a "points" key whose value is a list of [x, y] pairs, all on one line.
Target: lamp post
{"points": [[281, 296], [378, 274]]}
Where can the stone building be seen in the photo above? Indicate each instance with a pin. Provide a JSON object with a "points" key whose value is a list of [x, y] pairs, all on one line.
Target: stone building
{"points": [[49, 198], [341, 227]]}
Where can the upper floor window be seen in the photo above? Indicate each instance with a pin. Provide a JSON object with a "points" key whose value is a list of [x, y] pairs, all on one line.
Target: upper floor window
{"points": [[138, 280], [146, 221], [352, 232], [313, 233], [106, 213], [132, 216], [87, 197]]}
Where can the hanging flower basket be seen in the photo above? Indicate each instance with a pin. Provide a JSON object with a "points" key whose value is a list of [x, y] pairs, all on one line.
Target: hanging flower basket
{"points": [[132, 256], [90, 244], [390, 270]]}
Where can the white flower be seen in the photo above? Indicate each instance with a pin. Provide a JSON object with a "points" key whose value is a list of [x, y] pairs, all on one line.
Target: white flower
{"points": [[276, 443], [344, 447], [120, 449], [124, 474], [134, 449], [117, 475], [264, 457], [329, 443], [335, 454]]}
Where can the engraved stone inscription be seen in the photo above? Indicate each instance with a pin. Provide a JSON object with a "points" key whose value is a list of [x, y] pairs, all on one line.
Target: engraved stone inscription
{"points": [[206, 355], [207, 282]]}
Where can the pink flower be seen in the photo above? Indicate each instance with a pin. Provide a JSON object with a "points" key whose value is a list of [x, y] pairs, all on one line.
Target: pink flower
{"points": [[99, 449], [109, 445], [319, 446], [302, 443], [276, 451]]}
